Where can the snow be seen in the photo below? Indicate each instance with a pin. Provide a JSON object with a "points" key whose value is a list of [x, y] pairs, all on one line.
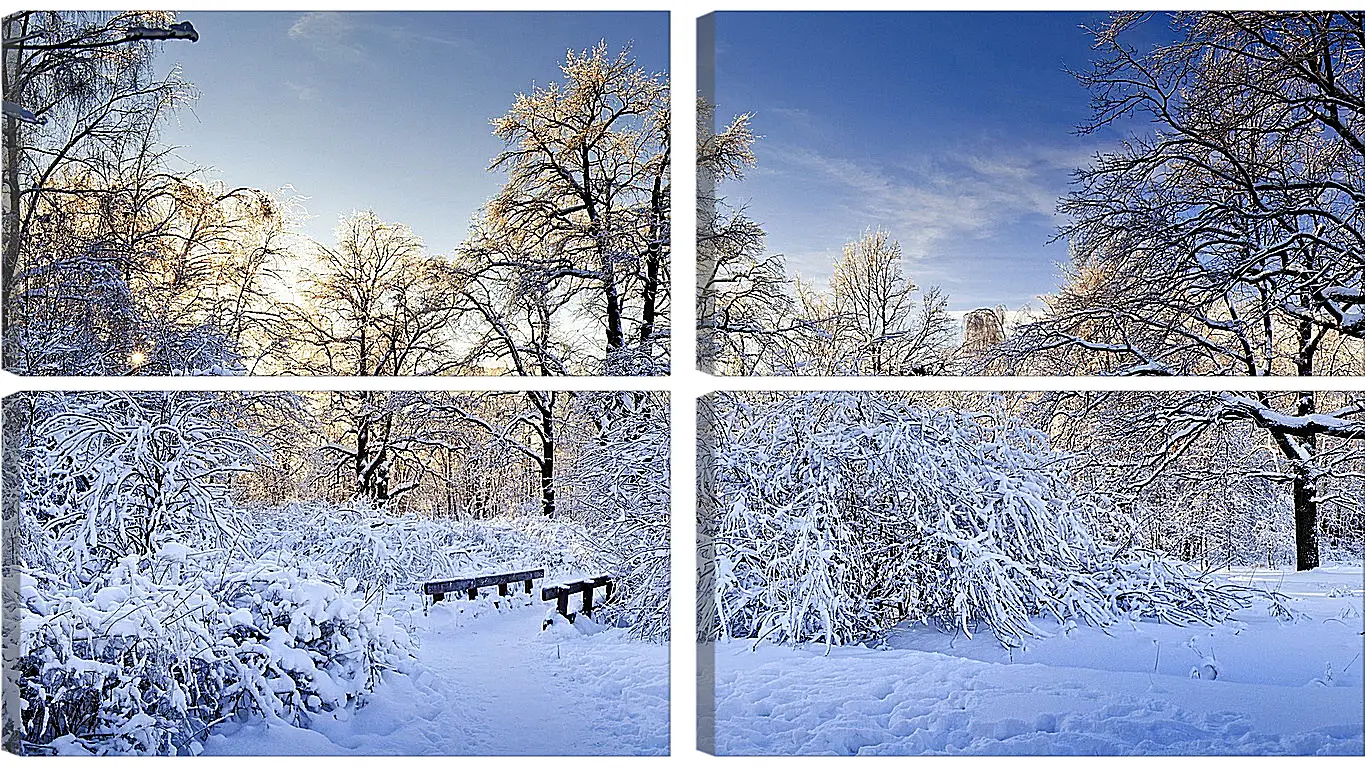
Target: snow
{"points": [[272, 647], [489, 681], [1273, 417], [173, 552], [1283, 686]]}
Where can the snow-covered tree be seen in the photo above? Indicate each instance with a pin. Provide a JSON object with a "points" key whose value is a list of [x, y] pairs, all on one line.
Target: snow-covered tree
{"points": [[582, 222], [374, 305], [745, 308], [1228, 241], [874, 321], [1212, 492], [113, 259], [526, 423]]}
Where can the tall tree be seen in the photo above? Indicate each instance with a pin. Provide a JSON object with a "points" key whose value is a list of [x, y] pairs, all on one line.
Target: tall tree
{"points": [[745, 309], [584, 212], [81, 171], [752, 318], [884, 323], [373, 305], [1232, 239], [874, 320]]}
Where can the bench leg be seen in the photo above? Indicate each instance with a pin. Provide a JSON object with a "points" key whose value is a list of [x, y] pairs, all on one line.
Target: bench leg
{"points": [[528, 586], [562, 604], [587, 602], [502, 590], [438, 597], [609, 588], [474, 593]]}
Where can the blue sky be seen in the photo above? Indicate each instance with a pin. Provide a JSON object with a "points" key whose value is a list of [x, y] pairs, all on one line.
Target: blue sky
{"points": [[952, 131], [388, 111]]}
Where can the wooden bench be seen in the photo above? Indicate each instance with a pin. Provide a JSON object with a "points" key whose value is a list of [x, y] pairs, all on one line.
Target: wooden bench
{"points": [[560, 594], [470, 586]]}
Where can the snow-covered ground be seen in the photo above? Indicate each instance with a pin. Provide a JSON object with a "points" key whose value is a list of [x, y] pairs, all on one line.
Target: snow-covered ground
{"points": [[488, 681], [1263, 686]]}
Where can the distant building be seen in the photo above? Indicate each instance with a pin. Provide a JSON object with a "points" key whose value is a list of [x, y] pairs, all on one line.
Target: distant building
{"points": [[981, 330], [983, 327]]}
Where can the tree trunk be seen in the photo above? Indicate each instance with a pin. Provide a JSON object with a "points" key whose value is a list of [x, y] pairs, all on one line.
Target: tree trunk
{"points": [[545, 404], [1305, 485], [12, 217], [370, 472], [653, 258], [1302, 451], [547, 478], [13, 196], [1305, 521], [616, 336]]}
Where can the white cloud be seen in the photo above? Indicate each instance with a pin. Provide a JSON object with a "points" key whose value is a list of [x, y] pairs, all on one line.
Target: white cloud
{"points": [[342, 36], [928, 201], [330, 34], [303, 92], [972, 218]]}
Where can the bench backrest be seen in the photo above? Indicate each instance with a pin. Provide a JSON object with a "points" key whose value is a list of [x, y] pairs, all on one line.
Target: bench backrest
{"points": [[474, 582]]}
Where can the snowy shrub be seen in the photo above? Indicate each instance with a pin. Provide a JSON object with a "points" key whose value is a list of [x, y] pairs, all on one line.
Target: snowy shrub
{"points": [[388, 553], [620, 486], [1137, 584], [147, 657], [122, 473], [837, 515]]}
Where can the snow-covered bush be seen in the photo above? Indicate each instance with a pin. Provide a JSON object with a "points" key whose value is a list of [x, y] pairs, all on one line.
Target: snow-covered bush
{"points": [[619, 484], [386, 553], [120, 473], [124, 643], [836, 515], [148, 656]]}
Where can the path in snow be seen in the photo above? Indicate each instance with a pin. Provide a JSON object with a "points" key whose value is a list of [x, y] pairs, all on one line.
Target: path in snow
{"points": [[490, 682], [1082, 692]]}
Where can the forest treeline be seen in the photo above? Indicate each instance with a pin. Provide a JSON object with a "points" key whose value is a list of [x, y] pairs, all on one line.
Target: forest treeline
{"points": [[119, 260]]}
